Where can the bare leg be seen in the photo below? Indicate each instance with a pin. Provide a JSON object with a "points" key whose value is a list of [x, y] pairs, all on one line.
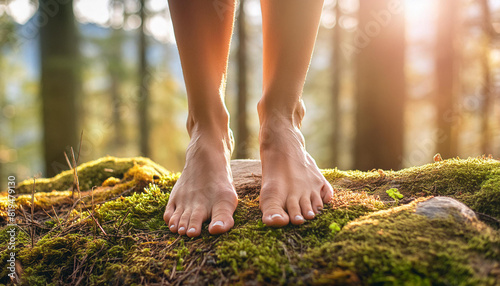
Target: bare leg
{"points": [[204, 191], [292, 186]]}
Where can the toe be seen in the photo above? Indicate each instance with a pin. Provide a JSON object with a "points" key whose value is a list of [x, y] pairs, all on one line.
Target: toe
{"points": [[317, 203], [294, 212], [173, 223], [273, 214], [184, 222], [306, 208], [169, 211], [327, 192], [222, 217], [195, 222]]}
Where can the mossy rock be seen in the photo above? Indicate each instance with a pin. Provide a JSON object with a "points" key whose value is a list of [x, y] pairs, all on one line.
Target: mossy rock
{"points": [[112, 233], [90, 174]]}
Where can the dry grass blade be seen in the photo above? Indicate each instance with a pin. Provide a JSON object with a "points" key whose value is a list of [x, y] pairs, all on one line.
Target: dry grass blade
{"points": [[32, 229], [71, 168], [79, 147], [70, 211], [75, 174]]}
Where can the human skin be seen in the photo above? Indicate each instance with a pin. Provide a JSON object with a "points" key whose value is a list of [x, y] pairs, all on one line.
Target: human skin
{"points": [[293, 188]]}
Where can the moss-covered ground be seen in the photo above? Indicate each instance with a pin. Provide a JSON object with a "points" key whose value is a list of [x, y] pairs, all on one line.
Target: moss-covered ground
{"points": [[112, 231]]}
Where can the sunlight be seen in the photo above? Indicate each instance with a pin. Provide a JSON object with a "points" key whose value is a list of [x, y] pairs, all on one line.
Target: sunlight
{"points": [[21, 10], [420, 17], [418, 11], [162, 29], [96, 11], [156, 5], [495, 57]]}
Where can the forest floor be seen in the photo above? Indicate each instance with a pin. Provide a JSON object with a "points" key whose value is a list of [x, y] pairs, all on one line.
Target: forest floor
{"points": [[101, 223]]}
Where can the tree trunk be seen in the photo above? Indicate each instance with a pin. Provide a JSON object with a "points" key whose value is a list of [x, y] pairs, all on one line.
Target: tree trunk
{"points": [[242, 133], [3, 141], [446, 73], [60, 82], [336, 86], [380, 44], [115, 69], [487, 107], [144, 123]]}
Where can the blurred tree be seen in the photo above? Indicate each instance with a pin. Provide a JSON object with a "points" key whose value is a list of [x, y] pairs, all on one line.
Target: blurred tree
{"points": [[336, 88], [446, 78], [60, 81], [487, 106], [143, 96], [7, 39], [380, 96], [116, 71], [242, 133]]}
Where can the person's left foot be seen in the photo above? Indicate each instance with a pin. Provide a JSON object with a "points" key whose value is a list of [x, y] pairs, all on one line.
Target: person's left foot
{"points": [[293, 188]]}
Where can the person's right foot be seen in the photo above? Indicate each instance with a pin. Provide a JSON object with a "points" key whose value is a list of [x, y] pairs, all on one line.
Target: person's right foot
{"points": [[204, 190]]}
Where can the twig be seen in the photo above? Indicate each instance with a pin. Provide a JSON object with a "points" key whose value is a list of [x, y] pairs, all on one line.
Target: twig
{"points": [[70, 211], [199, 267], [98, 224], [57, 217], [173, 270], [123, 219]]}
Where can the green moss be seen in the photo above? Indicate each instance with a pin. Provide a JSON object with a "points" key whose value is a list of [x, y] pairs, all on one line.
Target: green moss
{"points": [[144, 211], [90, 174], [394, 193], [473, 181], [8, 244], [487, 199], [51, 260], [398, 247], [253, 251], [373, 242]]}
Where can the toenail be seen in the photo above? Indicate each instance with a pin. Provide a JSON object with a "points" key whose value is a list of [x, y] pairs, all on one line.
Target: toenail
{"points": [[218, 223], [299, 217], [276, 215], [192, 229], [172, 226], [310, 213], [181, 228]]}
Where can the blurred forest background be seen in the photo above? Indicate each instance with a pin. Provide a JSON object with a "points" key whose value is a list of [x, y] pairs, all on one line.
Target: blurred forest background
{"points": [[391, 83]]}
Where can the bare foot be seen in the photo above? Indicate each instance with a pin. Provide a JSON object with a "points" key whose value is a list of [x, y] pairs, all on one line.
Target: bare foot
{"points": [[293, 188], [204, 191]]}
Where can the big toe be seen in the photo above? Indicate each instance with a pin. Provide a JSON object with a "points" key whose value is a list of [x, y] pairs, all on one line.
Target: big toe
{"points": [[222, 217], [273, 214], [327, 192]]}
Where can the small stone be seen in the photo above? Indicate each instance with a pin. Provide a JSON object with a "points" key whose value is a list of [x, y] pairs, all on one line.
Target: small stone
{"points": [[443, 207]]}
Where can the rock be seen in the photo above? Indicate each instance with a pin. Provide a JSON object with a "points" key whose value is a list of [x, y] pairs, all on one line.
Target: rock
{"points": [[397, 247], [443, 207], [247, 176]]}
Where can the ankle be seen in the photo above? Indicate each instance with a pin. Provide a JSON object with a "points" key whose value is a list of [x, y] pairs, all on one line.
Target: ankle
{"points": [[206, 120], [214, 130], [275, 113]]}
